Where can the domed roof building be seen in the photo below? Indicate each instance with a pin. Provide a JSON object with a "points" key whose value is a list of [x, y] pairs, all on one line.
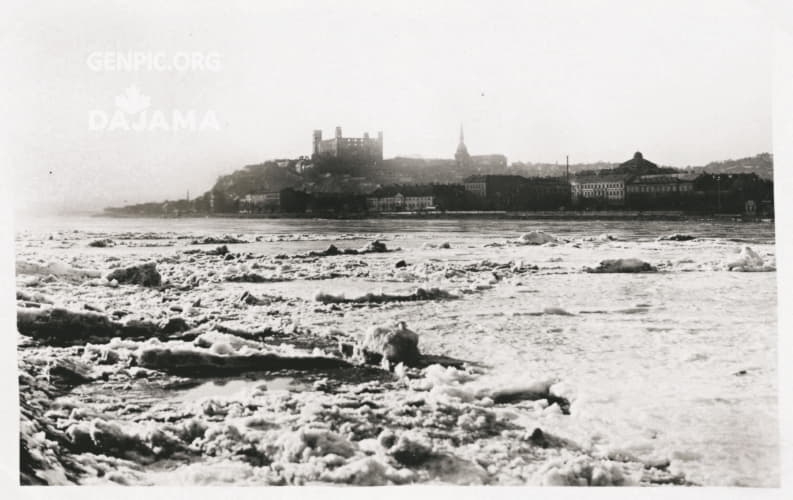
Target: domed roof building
{"points": [[638, 165]]}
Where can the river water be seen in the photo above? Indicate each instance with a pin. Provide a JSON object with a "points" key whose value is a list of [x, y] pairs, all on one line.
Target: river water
{"points": [[678, 365]]}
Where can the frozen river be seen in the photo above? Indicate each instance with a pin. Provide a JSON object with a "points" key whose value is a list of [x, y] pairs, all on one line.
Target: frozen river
{"points": [[675, 367]]}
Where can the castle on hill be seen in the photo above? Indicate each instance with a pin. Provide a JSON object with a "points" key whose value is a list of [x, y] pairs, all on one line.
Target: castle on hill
{"points": [[364, 149]]}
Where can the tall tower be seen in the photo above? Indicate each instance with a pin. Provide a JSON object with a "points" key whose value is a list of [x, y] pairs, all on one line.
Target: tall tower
{"points": [[461, 155], [338, 132], [317, 140]]}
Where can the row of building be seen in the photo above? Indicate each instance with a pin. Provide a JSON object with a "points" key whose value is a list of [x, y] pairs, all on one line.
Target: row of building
{"points": [[484, 182], [636, 184], [736, 193]]}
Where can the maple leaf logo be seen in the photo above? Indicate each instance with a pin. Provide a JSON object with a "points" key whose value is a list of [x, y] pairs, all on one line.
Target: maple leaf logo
{"points": [[132, 101]]}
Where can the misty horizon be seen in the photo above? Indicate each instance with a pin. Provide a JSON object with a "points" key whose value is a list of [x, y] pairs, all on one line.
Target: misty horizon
{"points": [[48, 210], [685, 84]]}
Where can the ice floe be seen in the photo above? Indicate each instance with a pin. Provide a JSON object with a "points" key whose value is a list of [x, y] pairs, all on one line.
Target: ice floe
{"points": [[58, 269], [536, 238], [377, 298], [212, 240], [58, 325], [396, 343], [677, 237], [104, 370], [748, 261], [142, 274], [631, 265]]}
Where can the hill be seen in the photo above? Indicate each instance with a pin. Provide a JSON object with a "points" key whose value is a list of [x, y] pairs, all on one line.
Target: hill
{"points": [[265, 177], [762, 165]]}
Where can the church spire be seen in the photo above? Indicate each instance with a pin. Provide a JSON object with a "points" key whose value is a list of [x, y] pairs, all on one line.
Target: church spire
{"points": [[462, 156]]}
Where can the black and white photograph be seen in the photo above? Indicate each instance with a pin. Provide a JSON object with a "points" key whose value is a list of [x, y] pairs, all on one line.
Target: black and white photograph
{"points": [[398, 244]]}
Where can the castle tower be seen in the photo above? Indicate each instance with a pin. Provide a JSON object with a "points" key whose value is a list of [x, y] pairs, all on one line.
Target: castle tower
{"points": [[380, 145], [317, 140]]}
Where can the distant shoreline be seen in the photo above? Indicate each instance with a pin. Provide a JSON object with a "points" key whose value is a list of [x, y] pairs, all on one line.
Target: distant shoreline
{"points": [[451, 215]]}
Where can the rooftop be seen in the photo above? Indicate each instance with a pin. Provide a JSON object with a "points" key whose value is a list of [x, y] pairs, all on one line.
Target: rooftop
{"points": [[663, 178], [406, 190], [494, 177], [597, 179]]}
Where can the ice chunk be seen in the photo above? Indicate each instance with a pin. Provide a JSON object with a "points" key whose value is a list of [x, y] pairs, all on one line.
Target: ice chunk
{"points": [[209, 339], [536, 238], [418, 294], [531, 391], [69, 372], [102, 243], [191, 360], [254, 278], [315, 442], [58, 269], [748, 261], [142, 274], [581, 471], [375, 246], [558, 311], [33, 297], [63, 325], [677, 237], [363, 472], [622, 266], [445, 245], [397, 344], [211, 240], [410, 449], [60, 326]]}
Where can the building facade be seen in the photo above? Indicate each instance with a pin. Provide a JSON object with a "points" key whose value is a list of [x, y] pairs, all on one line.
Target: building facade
{"points": [[349, 148], [399, 198], [514, 192], [609, 189], [476, 184], [662, 184], [660, 191], [546, 193], [260, 202]]}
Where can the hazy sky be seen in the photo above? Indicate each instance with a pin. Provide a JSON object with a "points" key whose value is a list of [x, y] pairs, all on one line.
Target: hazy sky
{"points": [[685, 82]]}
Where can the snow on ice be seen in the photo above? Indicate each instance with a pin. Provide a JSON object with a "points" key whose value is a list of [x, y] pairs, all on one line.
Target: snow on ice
{"points": [[505, 389]]}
